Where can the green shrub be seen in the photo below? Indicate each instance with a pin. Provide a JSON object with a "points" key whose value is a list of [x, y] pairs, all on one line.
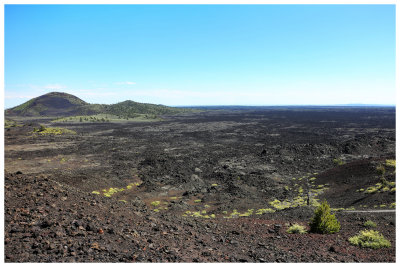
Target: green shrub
{"points": [[370, 224], [323, 221], [338, 162], [391, 163], [371, 190], [296, 229], [384, 182], [369, 239], [155, 203], [381, 169]]}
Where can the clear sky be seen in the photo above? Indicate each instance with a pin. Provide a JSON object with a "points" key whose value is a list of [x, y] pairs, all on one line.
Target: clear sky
{"points": [[202, 54]]}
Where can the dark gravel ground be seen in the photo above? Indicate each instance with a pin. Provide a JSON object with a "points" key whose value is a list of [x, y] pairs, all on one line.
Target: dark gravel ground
{"points": [[225, 160]]}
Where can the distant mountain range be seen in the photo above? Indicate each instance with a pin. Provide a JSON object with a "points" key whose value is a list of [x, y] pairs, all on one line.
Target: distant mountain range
{"points": [[63, 104]]}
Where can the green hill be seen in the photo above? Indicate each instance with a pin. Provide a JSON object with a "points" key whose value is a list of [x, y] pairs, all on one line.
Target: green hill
{"points": [[129, 108], [51, 104], [63, 104]]}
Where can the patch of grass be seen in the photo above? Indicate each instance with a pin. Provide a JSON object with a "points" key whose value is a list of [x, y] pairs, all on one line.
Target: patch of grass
{"points": [[102, 117], [11, 123], [381, 169], [262, 211], [155, 203], [296, 229], [53, 131], [301, 190], [385, 189], [369, 239], [371, 190], [197, 200], [298, 201], [338, 162], [234, 213], [278, 205], [96, 192], [382, 186], [111, 191], [203, 214], [247, 213], [131, 185], [390, 163], [370, 224]]}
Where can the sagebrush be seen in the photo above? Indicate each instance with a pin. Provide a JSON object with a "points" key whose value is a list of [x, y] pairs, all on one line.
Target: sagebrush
{"points": [[369, 239], [296, 229]]}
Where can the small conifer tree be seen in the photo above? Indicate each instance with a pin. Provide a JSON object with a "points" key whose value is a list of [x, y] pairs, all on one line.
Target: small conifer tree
{"points": [[323, 221]]}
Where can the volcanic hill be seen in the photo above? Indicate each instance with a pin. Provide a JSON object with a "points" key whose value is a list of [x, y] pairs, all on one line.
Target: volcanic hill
{"points": [[63, 104]]}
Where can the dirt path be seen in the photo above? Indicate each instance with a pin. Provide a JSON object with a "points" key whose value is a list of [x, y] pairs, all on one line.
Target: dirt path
{"points": [[372, 211]]}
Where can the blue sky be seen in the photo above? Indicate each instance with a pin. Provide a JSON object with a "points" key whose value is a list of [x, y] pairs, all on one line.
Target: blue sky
{"points": [[202, 54]]}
